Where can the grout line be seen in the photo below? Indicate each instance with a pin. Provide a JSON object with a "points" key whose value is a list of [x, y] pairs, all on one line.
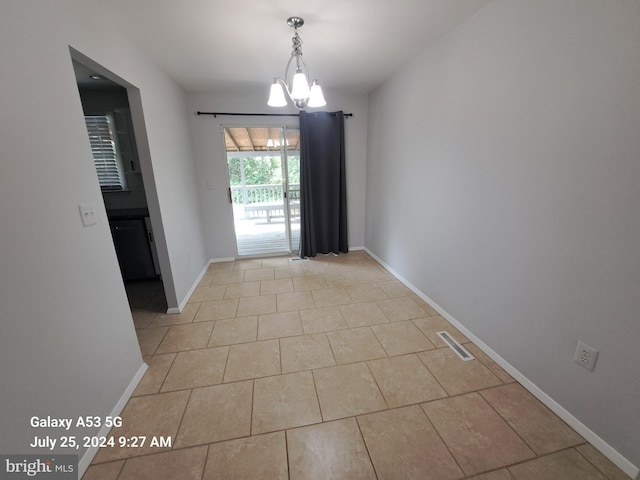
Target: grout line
{"points": [[119, 471], [433, 374], [366, 447], [206, 460], [505, 420], [442, 439], [175, 355], [286, 449], [366, 364], [253, 395], [313, 377], [575, 447]]}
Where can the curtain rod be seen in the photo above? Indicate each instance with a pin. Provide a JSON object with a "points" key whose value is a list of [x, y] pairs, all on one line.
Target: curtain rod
{"points": [[215, 114]]}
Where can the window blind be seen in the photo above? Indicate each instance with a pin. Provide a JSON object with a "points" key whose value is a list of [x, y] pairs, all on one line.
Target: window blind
{"points": [[105, 152]]}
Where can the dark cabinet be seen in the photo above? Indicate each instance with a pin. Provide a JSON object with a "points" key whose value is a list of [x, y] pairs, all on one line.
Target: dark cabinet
{"points": [[132, 247]]}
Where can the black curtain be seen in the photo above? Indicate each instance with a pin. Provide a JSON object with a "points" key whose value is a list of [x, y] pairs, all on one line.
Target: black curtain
{"points": [[323, 186]]}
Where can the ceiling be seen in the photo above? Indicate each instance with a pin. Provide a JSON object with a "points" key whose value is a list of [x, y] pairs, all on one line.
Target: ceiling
{"points": [[259, 139], [349, 45]]}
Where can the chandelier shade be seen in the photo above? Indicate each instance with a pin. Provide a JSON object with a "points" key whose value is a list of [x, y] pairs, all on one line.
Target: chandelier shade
{"points": [[300, 92]]}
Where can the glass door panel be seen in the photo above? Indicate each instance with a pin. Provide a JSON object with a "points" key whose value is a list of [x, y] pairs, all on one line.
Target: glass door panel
{"points": [[258, 163]]}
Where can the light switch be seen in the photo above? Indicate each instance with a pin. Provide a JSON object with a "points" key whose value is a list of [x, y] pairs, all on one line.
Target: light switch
{"points": [[87, 214]]}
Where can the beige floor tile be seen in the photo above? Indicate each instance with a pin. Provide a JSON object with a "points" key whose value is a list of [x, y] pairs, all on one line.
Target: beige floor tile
{"points": [[104, 471], [329, 297], [399, 338], [206, 279], [248, 264], [347, 390], [372, 275], [543, 431], [394, 288], [159, 366], [276, 325], [257, 305], [317, 268], [196, 368], [143, 318], [246, 289], [363, 260], [424, 305], [234, 330], [363, 314], [184, 464], [151, 415], [305, 352], [292, 271], [186, 337], [488, 362], [342, 279], [602, 463], [217, 310], [186, 316], [220, 412], [365, 293], [220, 267], [431, 325], [284, 401], [403, 445], [567, 465], [402, 308], [333, 450], [288, 302], [226, 277], [253, 360], [317, 320], [206, 293], [502, 474], [276, 262], [309, 282], [355, 345], [475, 434], [253, 458], [259, 274], [150, 338], [271, 287], [405, 380], [455, 375], [320, 303]]}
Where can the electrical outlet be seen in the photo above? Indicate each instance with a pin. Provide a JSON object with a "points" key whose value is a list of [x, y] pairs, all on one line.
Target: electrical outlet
{"points": [[585, 356]]}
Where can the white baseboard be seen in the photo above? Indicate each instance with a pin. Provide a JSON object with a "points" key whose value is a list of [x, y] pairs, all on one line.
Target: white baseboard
{"points": [[183, 303], [607, 450], [220, 260], [87, 458]]}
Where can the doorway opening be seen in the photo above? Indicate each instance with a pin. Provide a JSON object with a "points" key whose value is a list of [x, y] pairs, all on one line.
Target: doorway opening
{"points": [[110, 129], [264, 188]]}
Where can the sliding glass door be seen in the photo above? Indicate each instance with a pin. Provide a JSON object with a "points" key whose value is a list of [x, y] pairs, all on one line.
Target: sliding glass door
{"points": [[264, 178]]}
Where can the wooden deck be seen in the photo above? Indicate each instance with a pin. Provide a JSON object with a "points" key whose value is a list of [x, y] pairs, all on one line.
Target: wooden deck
{"points": [[257, 237]]}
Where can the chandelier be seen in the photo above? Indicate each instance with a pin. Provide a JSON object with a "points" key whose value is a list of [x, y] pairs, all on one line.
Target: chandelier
{"points": [[301, 93]]}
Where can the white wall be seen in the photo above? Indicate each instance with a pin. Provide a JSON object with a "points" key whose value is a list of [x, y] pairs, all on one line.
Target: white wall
{"points": [[209, 150], [67, 341], [516, 207]]}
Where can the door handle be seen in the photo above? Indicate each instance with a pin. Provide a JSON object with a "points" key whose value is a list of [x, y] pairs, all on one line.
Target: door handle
{"points": [[229, 194]]}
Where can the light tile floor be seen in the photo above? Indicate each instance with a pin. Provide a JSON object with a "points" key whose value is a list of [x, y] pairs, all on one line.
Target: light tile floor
{"points": [[326, 369]]}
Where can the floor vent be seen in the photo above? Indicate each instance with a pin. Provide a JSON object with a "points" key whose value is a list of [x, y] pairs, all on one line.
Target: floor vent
{"points": [[455, 346], [298, 259]]}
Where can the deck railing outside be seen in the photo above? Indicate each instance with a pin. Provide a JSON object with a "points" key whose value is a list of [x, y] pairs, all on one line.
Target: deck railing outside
{"points": [[248, 195], [258, 212]]}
